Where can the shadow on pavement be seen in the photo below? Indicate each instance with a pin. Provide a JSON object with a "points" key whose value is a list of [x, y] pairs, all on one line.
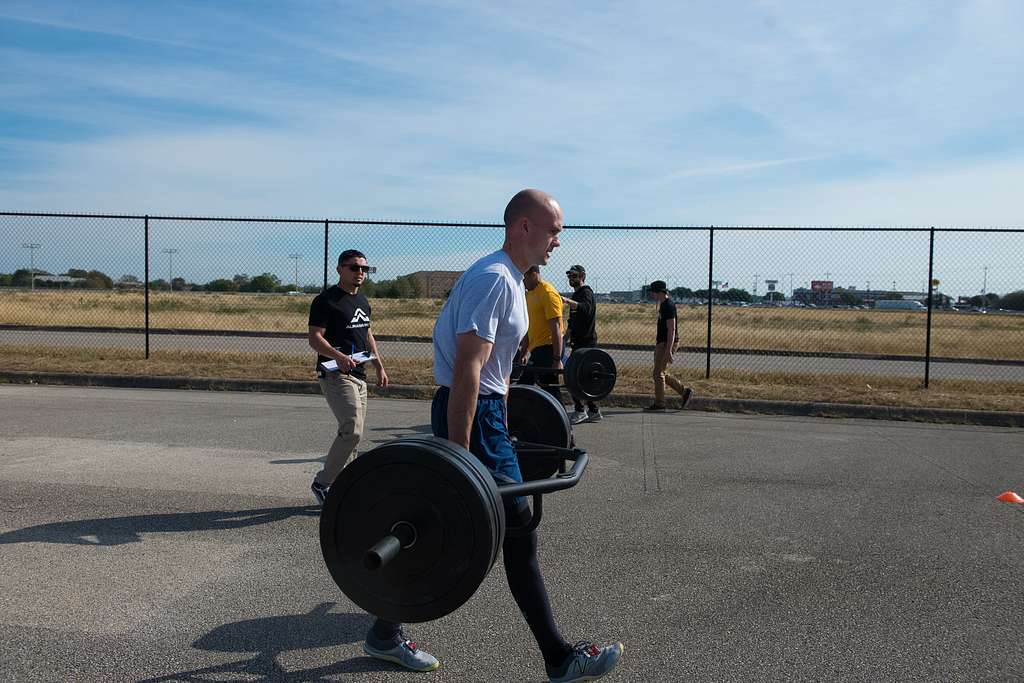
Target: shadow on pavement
{"points": [[404, 431], [122, 530], [270, 636], [298, 461]]}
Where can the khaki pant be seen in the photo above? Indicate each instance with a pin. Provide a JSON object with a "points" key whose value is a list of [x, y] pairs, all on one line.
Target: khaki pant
{"points": [[661, 377], [346, 396]]}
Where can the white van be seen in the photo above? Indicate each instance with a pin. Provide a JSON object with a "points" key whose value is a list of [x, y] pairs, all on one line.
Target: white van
{"points": [[899, 305]]}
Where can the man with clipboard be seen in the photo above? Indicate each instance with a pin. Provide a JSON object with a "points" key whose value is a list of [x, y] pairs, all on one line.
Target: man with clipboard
{"points": [[339, 332]]}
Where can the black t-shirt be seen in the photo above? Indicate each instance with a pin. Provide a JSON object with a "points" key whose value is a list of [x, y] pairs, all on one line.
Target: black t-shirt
{"points": [[582, 328], [346, 320], [666, 311]]}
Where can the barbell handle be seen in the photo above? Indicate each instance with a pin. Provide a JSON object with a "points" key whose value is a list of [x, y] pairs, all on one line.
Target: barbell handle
{"points": [[558, 482], [537, 369], [542, 449], [535, 514]]}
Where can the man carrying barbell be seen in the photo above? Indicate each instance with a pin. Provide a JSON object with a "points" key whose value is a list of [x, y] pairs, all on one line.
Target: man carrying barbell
{"points": [[476, 338]]}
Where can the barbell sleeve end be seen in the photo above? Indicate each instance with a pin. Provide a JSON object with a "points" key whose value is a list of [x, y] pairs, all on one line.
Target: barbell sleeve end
{"points": [[382, 552]]}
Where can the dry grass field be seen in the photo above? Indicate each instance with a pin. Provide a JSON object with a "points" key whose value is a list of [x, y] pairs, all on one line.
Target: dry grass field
{"points": [[792, 329], [633, 379]]}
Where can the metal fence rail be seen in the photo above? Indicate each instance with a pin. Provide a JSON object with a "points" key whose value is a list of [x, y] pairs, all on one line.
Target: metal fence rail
{"points": [[751, 298]]}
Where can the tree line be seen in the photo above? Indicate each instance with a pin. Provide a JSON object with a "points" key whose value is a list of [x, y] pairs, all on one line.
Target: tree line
{"points": [[402, 287], [407, 287]]}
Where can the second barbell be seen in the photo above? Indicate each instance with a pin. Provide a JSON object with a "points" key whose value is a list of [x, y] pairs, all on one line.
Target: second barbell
{"points": [[589, 374]]}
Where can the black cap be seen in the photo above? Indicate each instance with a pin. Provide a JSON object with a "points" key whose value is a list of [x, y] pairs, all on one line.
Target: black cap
{"points": [[578, 270], [657, 286]]}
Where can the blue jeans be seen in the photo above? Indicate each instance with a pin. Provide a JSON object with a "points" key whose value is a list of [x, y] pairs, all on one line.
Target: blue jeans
{"points": [[489, 440]]}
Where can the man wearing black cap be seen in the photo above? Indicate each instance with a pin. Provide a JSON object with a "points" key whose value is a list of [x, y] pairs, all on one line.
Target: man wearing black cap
{"points": [[664, 347], [581, 332]]}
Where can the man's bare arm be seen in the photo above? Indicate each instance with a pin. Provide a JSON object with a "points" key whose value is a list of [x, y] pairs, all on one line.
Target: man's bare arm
{"points": [[378, 362], [555, 327], [470, 355]]}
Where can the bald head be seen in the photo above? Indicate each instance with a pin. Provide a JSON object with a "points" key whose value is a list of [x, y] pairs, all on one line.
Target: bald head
{"points": [[535, 205], [533, 220]]}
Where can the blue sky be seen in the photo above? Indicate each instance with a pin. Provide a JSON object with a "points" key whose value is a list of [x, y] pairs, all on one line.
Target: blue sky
{"points": [[777, 113]]}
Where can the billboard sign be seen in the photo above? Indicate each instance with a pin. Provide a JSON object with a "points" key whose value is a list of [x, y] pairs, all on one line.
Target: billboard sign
{"points": [[821, 285]]}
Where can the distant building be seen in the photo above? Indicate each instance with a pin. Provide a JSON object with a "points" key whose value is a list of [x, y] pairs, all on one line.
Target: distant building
{"points": [[631, 295], [435, 284]]}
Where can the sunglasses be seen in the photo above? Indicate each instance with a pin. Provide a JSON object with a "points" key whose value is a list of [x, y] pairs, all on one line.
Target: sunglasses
{"points": [[355, 268]]}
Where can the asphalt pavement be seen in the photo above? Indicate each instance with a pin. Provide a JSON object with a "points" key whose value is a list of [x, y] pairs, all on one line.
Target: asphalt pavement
{"points": [[170, 536]]}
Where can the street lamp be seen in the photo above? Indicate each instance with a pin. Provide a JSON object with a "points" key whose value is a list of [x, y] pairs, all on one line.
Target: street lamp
{"points": [[170, 265], [296, 257], [984, 289], [32, 246]]}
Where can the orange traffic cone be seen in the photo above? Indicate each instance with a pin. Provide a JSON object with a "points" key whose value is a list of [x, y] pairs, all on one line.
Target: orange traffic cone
{"points": [[1010, 497]]}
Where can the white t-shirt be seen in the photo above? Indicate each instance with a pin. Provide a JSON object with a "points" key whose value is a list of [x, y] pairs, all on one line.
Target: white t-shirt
{"points": [[489, 299]]}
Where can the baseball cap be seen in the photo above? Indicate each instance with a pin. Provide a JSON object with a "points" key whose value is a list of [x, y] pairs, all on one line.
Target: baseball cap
{"points": [[657, 286], [577, 269]]}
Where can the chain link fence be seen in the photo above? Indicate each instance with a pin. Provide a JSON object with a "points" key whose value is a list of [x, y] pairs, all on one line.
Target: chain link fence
{"points": [[827, 304]]}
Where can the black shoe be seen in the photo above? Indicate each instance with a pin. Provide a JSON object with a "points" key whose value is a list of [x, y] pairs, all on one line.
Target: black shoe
{"points": [[320, 491], [686, 395], [654, 408]]}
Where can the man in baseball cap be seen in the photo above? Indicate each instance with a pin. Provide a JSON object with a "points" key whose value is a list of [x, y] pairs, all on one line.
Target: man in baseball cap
{"points": [[581, 332], [665, 344]]}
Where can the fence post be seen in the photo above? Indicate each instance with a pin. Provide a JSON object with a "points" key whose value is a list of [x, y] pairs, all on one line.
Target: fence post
{"points": [[928, 333], [711, 261], [146, 279], [327, 229]]}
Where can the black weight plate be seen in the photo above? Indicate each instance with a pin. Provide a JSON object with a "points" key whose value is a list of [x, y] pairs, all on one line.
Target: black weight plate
{"points": [[451, 500], [590, 374], [536, 417]]}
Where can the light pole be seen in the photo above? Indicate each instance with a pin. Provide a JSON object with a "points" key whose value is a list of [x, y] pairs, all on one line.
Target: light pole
{"points": [[31, 246], [790, 276], [296, 257], [170, 265], [984, 288]]}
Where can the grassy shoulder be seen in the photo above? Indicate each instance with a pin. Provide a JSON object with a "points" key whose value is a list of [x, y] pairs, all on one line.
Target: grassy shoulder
{"points": [[785, 329], [633, 379]]}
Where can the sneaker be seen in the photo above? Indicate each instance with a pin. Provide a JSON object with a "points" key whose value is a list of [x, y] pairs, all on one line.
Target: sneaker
{"points": [[404, 654], [588, 662], [577, 416], [319, 491], [686, 394], [654, 408], [594, 415]]}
